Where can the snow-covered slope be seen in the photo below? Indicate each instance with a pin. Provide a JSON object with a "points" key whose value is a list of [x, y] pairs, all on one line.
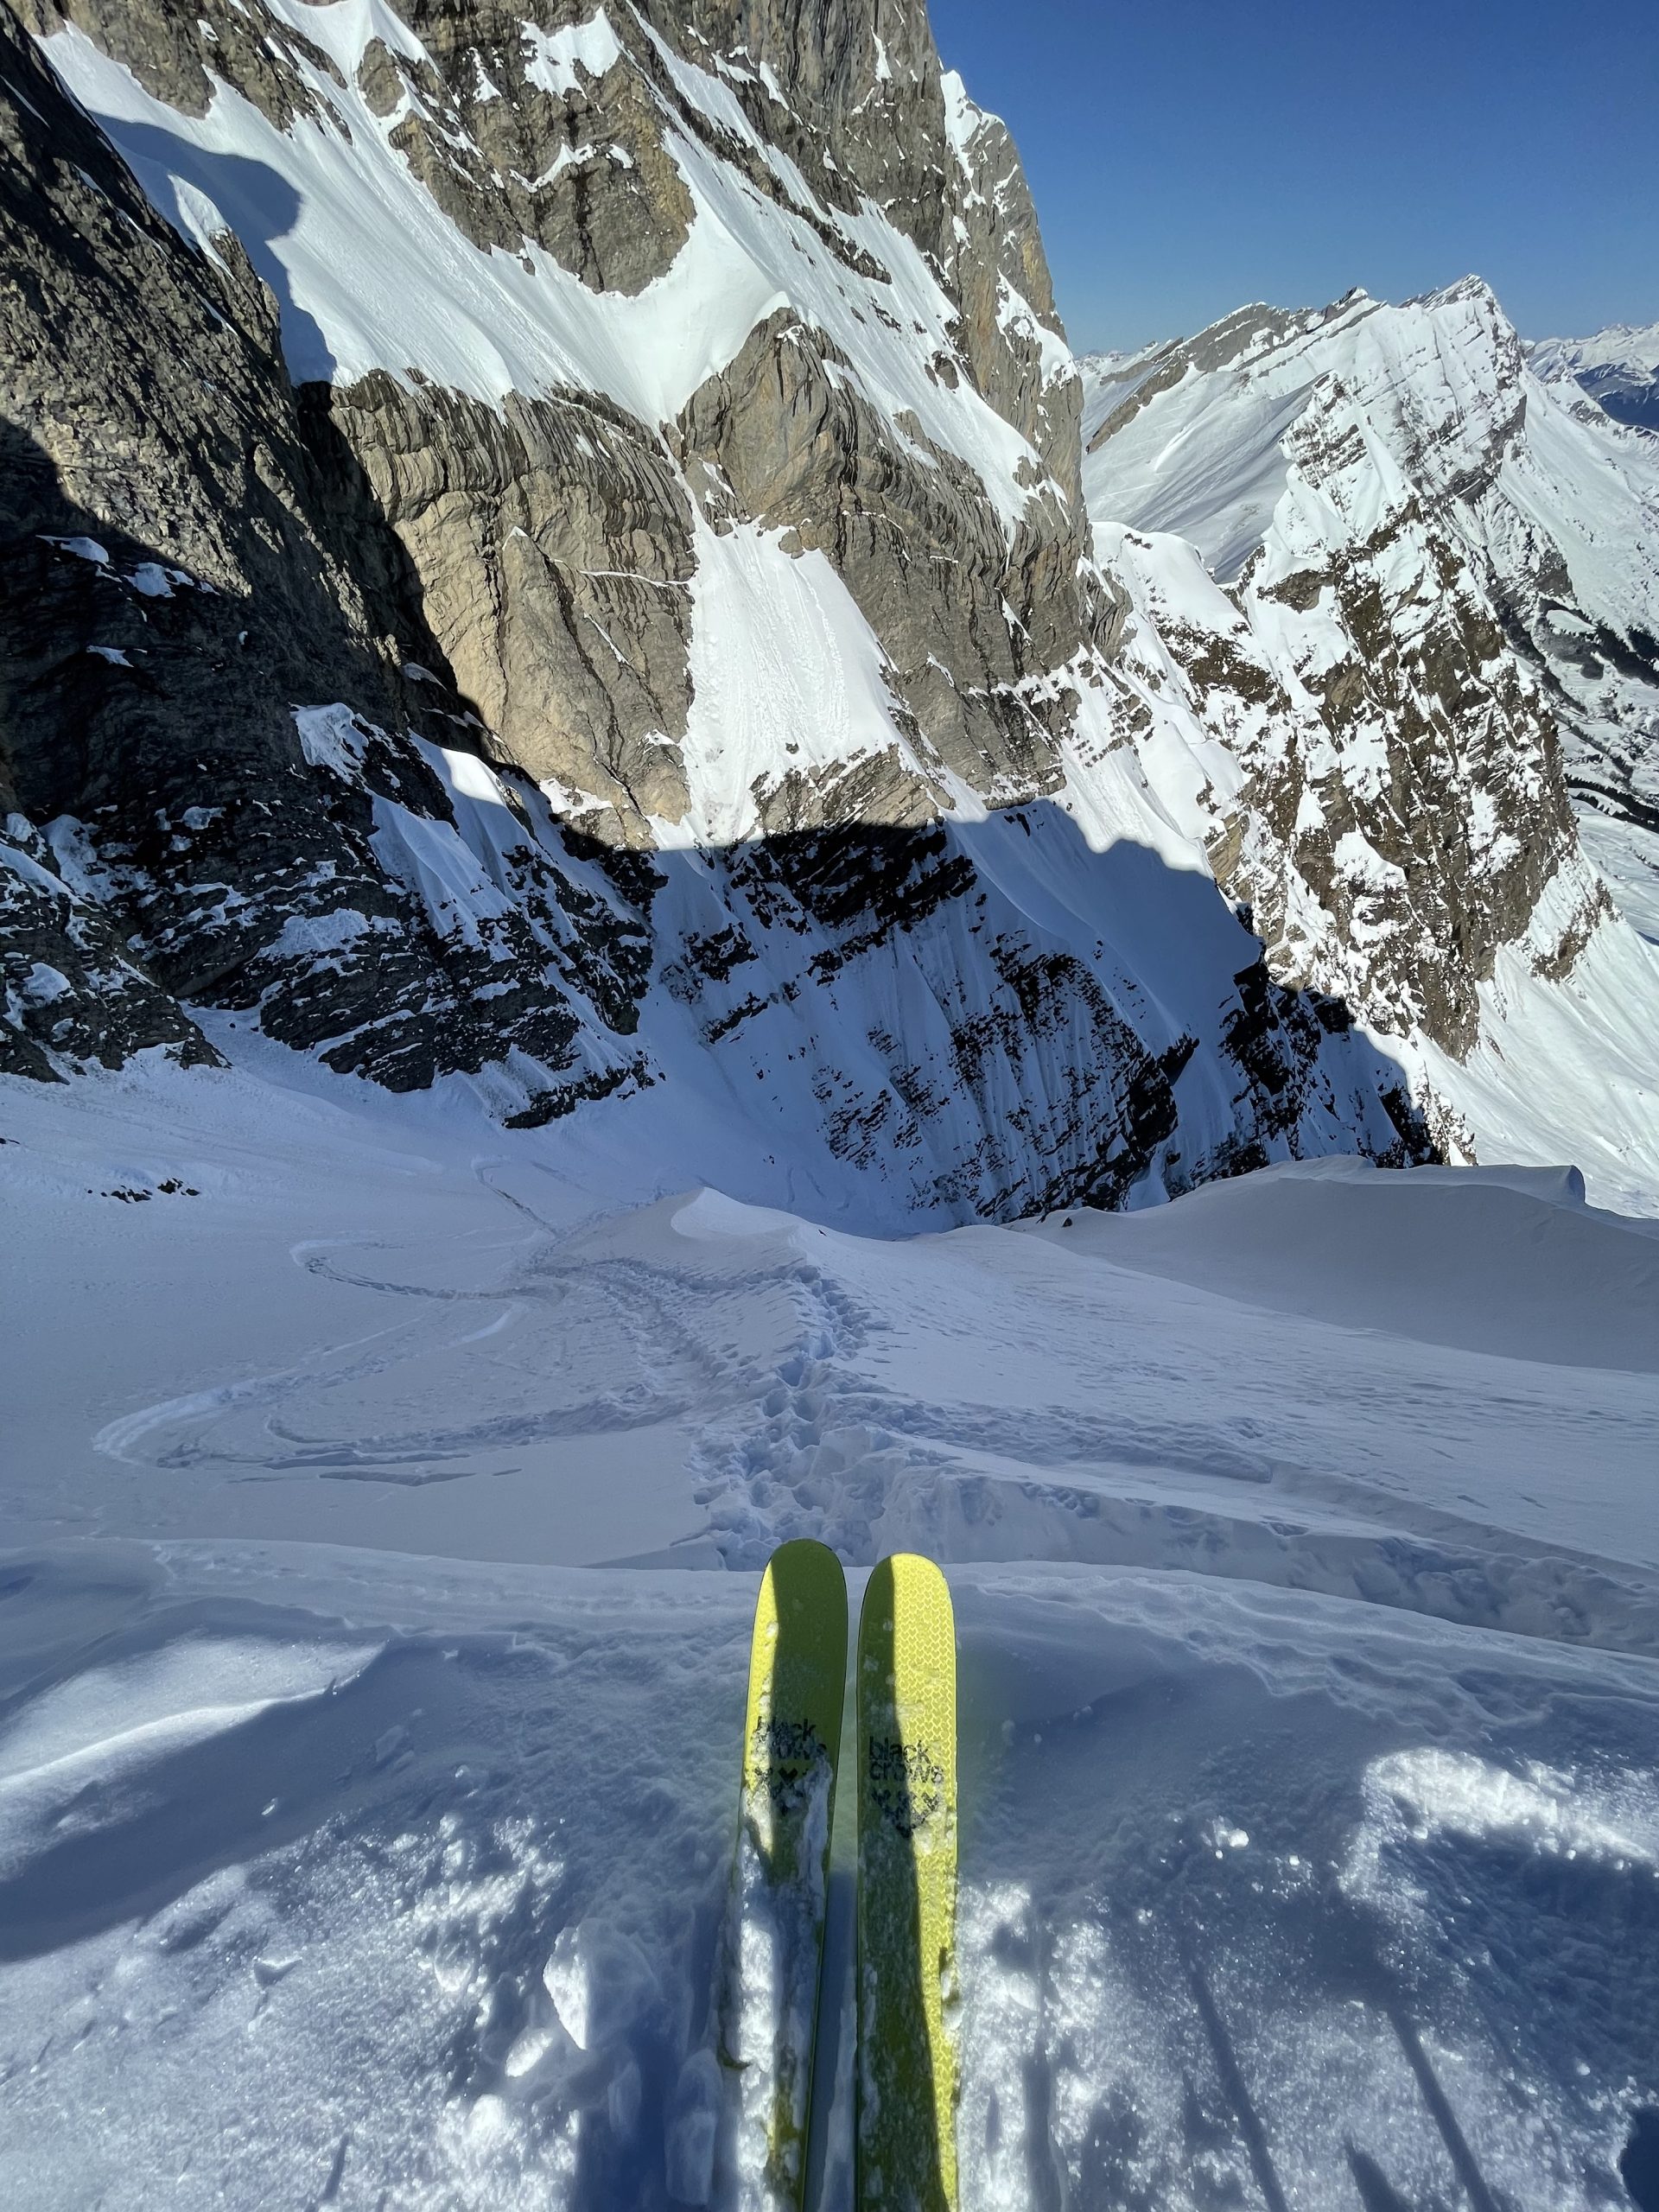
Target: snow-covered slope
{"points": [[1394, 583], [369, 1746]]}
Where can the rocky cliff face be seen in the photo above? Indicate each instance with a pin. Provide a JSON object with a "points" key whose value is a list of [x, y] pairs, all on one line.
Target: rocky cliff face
{"points": [[613, 281], [1407, 591], [171, 590], [550, 548]]}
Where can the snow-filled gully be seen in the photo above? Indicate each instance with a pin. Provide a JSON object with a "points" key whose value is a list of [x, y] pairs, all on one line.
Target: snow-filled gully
{"points": [[373, 1656]]}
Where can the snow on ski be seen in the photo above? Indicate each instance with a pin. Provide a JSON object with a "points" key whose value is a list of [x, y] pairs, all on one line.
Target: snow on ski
{"points": [[791, 1741]]}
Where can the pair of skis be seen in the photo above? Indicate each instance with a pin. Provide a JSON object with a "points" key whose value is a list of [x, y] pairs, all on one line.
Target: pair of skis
{"points": [[905, 1704]]}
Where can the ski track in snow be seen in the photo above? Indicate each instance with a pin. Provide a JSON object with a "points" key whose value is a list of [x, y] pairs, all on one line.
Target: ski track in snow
{"points": [[368, 1755]]}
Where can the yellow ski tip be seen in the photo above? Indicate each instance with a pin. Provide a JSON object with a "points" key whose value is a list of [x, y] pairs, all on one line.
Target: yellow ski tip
{"points": [[797, 1657]]}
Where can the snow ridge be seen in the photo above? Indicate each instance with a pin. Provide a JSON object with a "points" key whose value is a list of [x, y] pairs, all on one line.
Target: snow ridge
{"points": [[1368, 549]]}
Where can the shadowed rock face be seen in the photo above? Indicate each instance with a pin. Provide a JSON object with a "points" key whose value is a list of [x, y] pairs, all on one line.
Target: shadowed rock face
{"points": [[75, 996]]}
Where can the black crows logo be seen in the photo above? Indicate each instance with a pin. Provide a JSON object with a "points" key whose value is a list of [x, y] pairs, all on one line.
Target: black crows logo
{"points": [[784, 1756], [907, 1782]]}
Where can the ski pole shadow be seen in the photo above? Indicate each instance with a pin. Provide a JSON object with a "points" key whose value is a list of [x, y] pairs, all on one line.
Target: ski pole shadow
{"points": [[1231, 2076], [1362, 1970]]}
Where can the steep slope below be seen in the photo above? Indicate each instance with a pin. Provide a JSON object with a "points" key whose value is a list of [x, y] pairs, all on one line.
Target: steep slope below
{"points": [[368, 1783]]}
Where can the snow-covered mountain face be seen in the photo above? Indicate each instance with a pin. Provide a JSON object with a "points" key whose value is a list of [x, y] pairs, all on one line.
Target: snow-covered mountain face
{"points": [[543, 569], [1619, 367], [549, 547], [1413, 592]]}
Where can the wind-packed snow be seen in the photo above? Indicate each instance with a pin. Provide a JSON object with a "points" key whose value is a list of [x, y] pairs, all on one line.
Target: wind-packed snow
{"points": [[384, 1510]]}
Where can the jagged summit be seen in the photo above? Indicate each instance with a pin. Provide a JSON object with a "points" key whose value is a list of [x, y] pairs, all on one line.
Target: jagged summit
{"points": [[1558, 513], [1470, 288]]}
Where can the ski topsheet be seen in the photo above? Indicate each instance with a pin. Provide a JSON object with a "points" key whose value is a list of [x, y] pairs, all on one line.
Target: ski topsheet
{"points": [[906, 1700], [798, 1672]]}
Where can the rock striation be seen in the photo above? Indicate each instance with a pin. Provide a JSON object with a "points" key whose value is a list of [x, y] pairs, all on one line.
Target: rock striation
{"points": [[1408, 590]]}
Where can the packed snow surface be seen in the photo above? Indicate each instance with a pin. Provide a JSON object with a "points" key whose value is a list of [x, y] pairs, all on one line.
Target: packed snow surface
{"points": [[384, 1498]]}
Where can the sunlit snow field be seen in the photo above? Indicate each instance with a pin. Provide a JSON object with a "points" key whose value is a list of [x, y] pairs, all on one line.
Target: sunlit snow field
{"points": [[384, 1504]]}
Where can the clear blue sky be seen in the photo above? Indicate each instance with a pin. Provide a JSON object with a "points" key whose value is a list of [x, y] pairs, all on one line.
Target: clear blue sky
{"points": [[1188, 155]]}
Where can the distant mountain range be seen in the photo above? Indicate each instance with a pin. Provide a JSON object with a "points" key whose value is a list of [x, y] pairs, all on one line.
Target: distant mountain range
{"points": [[1619, 367]]}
